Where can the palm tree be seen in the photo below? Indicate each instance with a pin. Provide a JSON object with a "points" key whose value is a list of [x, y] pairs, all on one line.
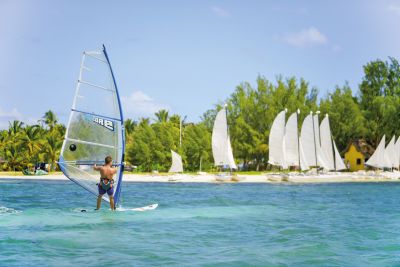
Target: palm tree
{"points": [[30, 140], [144, 121], [13, 157], [14, 128], [50, 119], [162, 115], [52, 148], [129, 126]]}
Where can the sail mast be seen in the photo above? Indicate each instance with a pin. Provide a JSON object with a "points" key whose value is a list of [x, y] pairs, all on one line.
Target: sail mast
{"points": [[117, 193]]}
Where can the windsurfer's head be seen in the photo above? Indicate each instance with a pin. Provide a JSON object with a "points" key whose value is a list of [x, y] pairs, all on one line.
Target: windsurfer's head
{"points": [[108, 160]]}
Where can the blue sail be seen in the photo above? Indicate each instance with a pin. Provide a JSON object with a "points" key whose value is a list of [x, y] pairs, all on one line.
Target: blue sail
{"points": [[95, 127]]}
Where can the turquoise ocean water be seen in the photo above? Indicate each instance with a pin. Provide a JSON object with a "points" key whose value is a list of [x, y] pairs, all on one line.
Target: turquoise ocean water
{"points": [[202, 225]]}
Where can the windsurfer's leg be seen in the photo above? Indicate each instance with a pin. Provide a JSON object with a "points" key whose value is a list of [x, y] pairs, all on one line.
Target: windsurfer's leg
{"points": [[99, 197], [112, 206], [110, 193]]}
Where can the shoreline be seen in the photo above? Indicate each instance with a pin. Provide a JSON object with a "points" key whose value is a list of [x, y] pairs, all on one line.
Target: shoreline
{"points": [[273, 178]]}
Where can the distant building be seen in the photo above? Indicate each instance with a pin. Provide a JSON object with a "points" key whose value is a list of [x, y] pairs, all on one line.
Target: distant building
{"points": [[357, 153]]}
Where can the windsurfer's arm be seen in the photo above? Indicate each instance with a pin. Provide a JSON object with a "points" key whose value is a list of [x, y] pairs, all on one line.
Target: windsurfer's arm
{"points": [[96, 168]]}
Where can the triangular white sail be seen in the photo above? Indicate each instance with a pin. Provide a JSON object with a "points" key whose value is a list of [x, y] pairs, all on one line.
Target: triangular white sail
{"points": [[377, 159], [291, 141], [397, 153], [390, 154], [303, 161], [322, 162], [307, 141], [177, 165], [276, 141], [95, 127], [326, 143], [221, 144], [339, 164]]}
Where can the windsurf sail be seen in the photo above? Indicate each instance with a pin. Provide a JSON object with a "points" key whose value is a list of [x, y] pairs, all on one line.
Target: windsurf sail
{"points": [[95, 128]]}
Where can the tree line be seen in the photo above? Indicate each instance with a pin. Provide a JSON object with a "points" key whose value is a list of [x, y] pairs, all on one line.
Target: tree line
{"points": [[369, 111]]}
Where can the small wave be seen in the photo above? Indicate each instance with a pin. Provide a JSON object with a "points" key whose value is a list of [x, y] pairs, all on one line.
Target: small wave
{"points": [[5, 210]]}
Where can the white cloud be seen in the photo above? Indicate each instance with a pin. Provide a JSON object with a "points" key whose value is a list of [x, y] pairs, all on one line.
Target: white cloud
{"points": [[394, 9], [305, 38], [220, 12], [138, 104]]}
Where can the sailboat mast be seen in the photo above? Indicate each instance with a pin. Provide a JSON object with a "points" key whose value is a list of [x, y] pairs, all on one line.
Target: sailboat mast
{"points": [[315, 143], [180, 132], [227, 131], [332, 144], [298, 138]]}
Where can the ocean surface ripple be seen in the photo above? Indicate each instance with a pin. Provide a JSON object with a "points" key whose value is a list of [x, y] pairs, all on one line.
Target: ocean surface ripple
{"points": [[358, 224]]}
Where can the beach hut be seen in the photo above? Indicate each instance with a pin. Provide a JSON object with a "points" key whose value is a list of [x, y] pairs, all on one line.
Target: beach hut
{"points": [[358, 151]]}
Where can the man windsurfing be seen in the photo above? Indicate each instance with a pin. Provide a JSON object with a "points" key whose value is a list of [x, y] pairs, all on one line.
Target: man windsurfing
{"points": [[106, 181]]}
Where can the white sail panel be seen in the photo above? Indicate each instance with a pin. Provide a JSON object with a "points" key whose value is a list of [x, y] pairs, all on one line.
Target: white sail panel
{"points": [[95, 126], [377, 159], [276, 141], [397, 153], [231, 160], [177, 165], [221, 145], [326, 142], [307, 141], [321, 159], [291, 141], [303, 161], [390, 154], [339, 164]]}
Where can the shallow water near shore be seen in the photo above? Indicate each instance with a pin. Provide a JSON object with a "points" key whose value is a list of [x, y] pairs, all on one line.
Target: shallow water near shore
{"points": [[201, 224]]}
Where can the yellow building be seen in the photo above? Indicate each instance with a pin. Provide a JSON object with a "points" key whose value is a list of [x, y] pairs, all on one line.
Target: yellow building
{"points": [[357, 153]]}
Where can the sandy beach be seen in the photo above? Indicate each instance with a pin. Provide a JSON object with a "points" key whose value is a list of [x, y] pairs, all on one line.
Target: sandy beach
{"points": [[294, 178]]}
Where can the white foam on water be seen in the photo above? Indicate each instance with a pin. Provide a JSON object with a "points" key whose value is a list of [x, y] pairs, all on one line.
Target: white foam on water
{"points": [[5, 210]]}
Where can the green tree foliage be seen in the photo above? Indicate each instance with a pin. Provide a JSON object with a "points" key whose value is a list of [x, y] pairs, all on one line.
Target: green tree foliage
{"points": [[369, 113], [197, 147], [22, 146], [345, 116], [379, 98]]}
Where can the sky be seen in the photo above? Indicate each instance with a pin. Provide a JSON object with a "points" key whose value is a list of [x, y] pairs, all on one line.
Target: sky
{"points": [[184, 56]]}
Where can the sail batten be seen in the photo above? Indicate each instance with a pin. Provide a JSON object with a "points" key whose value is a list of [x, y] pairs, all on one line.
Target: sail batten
{"points": [[95, 128]]}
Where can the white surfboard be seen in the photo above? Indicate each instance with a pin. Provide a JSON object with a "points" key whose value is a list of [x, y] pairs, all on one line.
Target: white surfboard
{"points": [[145, 208]]}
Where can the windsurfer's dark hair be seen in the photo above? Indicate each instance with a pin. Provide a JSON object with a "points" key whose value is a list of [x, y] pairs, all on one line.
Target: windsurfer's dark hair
{"points": [[108, 159]]}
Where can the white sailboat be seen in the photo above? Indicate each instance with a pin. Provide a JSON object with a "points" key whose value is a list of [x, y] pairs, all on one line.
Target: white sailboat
{"points": [[390, 154], [397, 153], [221, 145], [277, 141], [321, 159], [377, 160], [291, 141], [307, 142], [328, 146], [177, 166]]}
